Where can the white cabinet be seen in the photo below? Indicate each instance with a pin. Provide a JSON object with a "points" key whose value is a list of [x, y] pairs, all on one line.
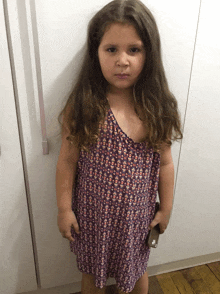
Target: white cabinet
{"points": [[194, 226], [17, 269], [198, 186]]}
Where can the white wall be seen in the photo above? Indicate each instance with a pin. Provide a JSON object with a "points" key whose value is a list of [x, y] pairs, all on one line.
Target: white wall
{"points": [[193, 76]]}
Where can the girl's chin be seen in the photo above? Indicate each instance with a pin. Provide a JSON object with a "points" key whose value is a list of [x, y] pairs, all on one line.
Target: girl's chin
{"points": [[121, 85]]}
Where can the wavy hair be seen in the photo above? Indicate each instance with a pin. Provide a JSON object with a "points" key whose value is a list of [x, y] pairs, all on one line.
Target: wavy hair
{"points": [[86, 106]]}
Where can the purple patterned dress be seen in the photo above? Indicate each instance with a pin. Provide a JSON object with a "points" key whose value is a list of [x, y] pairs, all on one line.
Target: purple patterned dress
{"points": [[114, 200]]}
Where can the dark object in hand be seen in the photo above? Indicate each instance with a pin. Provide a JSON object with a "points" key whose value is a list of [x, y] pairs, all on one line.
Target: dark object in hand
{"points": [[153, 235]]}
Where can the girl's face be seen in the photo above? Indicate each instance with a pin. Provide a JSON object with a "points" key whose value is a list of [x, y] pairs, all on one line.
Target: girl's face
{"points": [[121, 51]]}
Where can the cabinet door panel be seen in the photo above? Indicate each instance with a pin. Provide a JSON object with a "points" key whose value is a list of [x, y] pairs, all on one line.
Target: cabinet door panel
{"points": [[17, 269], [194, 228], [198, 178]]}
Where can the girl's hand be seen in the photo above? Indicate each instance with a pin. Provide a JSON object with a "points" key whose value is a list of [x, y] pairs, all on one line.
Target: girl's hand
{"points": [[162, 218], [66, 220]]}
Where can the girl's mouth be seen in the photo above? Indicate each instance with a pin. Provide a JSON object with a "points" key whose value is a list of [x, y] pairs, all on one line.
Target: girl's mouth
{"points": [[122, 76]]}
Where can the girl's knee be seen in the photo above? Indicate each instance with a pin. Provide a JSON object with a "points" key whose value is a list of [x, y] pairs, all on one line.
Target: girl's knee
{"points": [[88, 285]]}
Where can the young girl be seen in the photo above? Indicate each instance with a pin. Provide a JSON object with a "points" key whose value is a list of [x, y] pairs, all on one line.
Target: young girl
{"points": [[117, 128]]}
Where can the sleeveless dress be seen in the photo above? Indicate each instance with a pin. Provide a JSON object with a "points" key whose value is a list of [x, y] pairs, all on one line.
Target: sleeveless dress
{"points": [[114, 200]]}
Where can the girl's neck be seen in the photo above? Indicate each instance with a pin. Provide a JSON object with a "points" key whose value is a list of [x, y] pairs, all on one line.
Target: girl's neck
{"points": [[120, 99]]}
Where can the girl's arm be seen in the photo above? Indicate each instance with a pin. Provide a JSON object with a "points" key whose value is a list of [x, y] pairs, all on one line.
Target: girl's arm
{"points": [[165, 189], [65, 176], [65, 179], [66, 171], [166, 179]]}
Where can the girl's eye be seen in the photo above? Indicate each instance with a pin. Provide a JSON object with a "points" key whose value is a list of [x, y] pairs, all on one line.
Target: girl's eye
{"points": [[133, 50], [111, 49]]}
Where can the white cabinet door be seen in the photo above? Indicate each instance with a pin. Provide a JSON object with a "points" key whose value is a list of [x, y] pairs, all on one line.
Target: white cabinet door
{"points": [[197, 199], [194, 227], [62, 29], [17, 269], [57, 265]]}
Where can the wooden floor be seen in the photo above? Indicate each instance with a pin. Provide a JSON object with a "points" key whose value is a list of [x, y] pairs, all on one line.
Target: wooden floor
{"points": [[199, 280]]}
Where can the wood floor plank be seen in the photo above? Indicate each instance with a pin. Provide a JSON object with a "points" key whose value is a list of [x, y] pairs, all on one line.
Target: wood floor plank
{"points": [[195, 280], [181, 283], [154, 286], [210, 279], [167, 284], [215, 268]]}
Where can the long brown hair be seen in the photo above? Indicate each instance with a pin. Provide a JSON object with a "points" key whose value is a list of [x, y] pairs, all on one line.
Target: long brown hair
{"points": [[87, 104]]}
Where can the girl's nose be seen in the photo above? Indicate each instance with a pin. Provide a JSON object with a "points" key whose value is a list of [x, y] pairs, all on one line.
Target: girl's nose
{"points": [[122, 59]]}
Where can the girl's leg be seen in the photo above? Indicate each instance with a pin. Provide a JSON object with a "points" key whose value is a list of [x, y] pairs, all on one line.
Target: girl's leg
{"points": [[141, 286], [88, 285]]}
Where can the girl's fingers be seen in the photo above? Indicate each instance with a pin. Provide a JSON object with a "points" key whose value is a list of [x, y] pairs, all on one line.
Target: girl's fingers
{"points": [[67, 221], [162, 219], [162, 230], [153, 224], [71, 239], [76, 228], [68, 236]]}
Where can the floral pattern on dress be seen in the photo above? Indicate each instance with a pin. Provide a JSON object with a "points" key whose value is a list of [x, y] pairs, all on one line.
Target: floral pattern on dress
{"points": [[114, 200]]}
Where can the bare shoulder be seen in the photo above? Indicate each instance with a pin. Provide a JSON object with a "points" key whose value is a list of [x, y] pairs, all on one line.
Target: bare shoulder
{"points": [[165, 154]]}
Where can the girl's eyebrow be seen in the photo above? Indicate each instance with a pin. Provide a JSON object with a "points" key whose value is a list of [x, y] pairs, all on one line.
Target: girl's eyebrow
{"points": [[130, 45]]}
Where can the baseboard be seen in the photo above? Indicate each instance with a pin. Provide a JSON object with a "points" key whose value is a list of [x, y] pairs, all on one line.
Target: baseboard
{"points": [[182, 264], [152, 271]]}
